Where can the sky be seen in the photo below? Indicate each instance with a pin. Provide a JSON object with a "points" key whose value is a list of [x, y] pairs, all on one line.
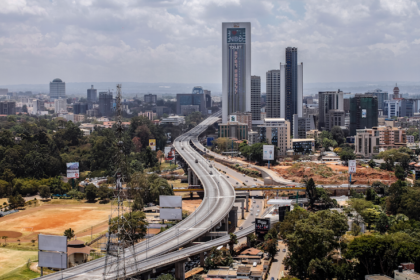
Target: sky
{"points": [[179, 41]]}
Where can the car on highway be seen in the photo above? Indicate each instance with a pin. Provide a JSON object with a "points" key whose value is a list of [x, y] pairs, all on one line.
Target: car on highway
{"points": [[258, 206], [241, 228], [244, 175], [284, 250], [211, 173], [196, 160], [237, 183], [227, 176], [255, 179], [253, 201]]}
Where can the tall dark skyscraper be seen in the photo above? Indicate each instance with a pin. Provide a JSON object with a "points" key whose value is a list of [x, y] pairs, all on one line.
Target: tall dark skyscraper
{"points": [[363, 112], [105, 104], [273, 87], [92, 96], [256, 98], [293, 100]]}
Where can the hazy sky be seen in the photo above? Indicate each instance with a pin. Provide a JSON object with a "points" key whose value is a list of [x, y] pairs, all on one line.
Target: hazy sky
{"points": [[180, 40]]}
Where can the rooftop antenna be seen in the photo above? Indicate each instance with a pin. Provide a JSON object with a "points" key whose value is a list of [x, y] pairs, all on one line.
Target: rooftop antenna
{"points": [[119, 240]]}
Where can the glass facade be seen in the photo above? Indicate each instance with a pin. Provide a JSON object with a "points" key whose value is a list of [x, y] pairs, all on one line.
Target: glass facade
{"points": [[302, 147]]}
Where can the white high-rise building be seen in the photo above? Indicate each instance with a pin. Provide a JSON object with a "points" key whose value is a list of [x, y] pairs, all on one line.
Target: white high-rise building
{"points": [[60, 106], [57, 88], [236, 68]]}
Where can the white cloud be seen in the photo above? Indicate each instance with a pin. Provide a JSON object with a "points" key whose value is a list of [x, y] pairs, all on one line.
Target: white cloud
{"points": [[179, 40]]}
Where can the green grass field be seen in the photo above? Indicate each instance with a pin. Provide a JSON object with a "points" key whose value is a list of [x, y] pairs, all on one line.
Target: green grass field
{"points": [[21, 273], [11, 260]]}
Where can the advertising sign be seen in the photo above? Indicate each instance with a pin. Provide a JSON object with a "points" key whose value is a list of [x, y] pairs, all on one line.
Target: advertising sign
{"points": [[170, 214], [170, 201], [52, 243], [52, 259], [262, 226], [352, 166], [232, 118], [210, 141], [268, 152], [167, 151], [152, 144], [72, 170], [363, 113]]}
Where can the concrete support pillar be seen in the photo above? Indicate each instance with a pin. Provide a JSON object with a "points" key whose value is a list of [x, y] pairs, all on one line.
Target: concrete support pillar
{"points": [[194, 179], [227, 223], [247, 202], [180, 270], [202, 259], [189, 176], [242, 210], [145, 276]]}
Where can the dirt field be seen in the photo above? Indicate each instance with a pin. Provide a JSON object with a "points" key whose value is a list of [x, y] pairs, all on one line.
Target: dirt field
{"points": [[326, 174], [54, 219]]}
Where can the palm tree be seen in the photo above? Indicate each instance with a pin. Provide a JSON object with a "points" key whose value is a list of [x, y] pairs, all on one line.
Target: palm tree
{"points": [[5, 239], [69, 233], [232, 241]]}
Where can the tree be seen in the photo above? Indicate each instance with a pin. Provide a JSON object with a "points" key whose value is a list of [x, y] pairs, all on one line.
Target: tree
{"points": [[338, 135], [395, 192], [382, 224], [252, 239], [104, 192], [270, 246], [138, 203], [399, 173], [69, 233], [346, 155], [313, 238], [91, 192], [134, 224], [328, 143], [148, 158], [359, 205], [410, 203], [372, 163], [233, 240], [310, 191], [44, 191], [197, 277], [370, 194], [370, 216], [355, 228]]}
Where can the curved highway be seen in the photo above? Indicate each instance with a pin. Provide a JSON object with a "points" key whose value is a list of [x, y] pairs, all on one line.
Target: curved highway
{"points": [[218, 200]]}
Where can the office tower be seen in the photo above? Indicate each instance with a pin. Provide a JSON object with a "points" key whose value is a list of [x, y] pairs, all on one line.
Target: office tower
{"points": [[256, 98], [60, 106], [363, 112], [236, 68], [92, 95], [150, 98], [187, 103], [272, 91], [105, 104], [7, 108], [331, 109], [396, 92], [382, 96], [80, 108], [57, 89], [301, 125], [293, 84], [209, 102], [276, 131], [407, 107], [197, 90]]}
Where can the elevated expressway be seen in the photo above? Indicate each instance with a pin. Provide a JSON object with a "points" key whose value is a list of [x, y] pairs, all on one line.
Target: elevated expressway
{"points": [[219, 198]]}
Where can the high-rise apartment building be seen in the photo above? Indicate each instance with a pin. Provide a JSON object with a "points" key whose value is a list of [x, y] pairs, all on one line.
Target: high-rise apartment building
{"points": [[363, 112], [236, 68], [294, 85], [8, 108], [331, 109], [92, 95], [80, 108], [256, 98], [382, 96], [57, 89], [302, 125], [60, 106], [105, 104], [150, 98], [187, 103], [209, 102], [272, 91]]}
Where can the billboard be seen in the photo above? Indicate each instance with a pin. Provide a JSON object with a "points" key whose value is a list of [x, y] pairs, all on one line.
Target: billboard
{"points": [[233, 118], [268, 152], [52, 243], [167, 151], [170, 214], [170, 201], [363, 113], [152, 144], [262, 226], [352, 166], [210, 141], [52, 259], [72, 170]]}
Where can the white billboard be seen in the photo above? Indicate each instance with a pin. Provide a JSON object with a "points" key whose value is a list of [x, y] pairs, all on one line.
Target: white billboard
{"points": [[52, 243], [352, 166], [167, 151], [170, 214], [52, 259], [268, 152], [72, 170], [170, 201]]}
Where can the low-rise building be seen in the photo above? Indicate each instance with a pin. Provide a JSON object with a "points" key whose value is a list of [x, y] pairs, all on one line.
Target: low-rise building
{"points": [[303, 146], [312, 134], [410, 138], [276, 131], [148, 114], [79, 118], [174, 120], [253, 137]]}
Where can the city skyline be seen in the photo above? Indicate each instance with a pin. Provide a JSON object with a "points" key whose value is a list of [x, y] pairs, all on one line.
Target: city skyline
{"points": [[179, 41]]}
